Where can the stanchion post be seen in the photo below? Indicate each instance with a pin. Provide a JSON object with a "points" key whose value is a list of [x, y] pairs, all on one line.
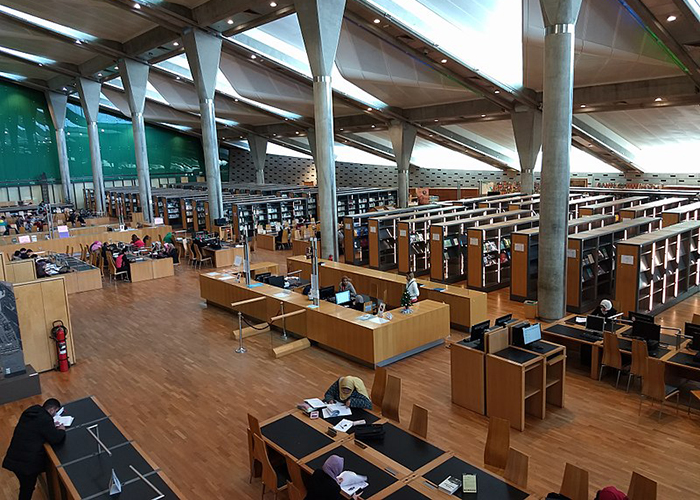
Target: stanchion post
{"points": [[241, 349]]}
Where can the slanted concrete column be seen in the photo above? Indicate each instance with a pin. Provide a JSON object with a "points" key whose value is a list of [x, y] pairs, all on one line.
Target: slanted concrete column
{"points": [[57, 109], [559, 20], [527, 128], [258, 150], [320, 22], [89, 92], [203, 55], [135, 77], [403, 138]]}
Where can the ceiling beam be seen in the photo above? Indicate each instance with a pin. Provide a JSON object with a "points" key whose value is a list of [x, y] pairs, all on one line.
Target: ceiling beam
{"points": [[367, 145], [603, 147], [475, 149]]}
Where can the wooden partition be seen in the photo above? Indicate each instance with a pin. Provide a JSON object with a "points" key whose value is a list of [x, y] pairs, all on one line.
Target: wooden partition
{"points": [[19, 271]]}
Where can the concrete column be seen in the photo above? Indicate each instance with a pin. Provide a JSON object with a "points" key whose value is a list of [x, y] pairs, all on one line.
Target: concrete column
{"points": [[311, 138], [135, 77], [527, 129], [89, 92], [320, 22], [559, 19], [57, 109], [203, 55], [258, 150], [403, 138]]}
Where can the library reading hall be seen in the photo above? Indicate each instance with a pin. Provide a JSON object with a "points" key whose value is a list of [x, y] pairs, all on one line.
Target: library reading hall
{"points": [[350, 249]]}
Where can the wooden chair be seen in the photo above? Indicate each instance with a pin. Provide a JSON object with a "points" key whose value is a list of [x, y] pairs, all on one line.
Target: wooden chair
{"points": [[284, 239], [392, 398], [293, 492], [199, 257], [612, 358], [419, 421], [641, 488], [517, 468], [101, 265], [378, 386], [83, 252], [497, 443], [269, 476], [294, 470], [160, 238], [575, 483], [187, 250], [654, 385], [113, 273], [68, 250], [640, 355], [253, 430], [696, 319]]}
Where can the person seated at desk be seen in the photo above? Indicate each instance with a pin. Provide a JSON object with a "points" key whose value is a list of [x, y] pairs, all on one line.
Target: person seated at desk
{"points": [[412, 287], [121, 262], [25, 455], [324, 483], [345, 285], [349, 390], [168, 238], [96, 246], [17, 255], [136, 242], [147, 241], [605, 309]]}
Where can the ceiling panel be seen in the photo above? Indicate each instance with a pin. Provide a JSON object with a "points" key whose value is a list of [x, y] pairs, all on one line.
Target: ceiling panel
{"points": [[18, 37], [14, 67]]}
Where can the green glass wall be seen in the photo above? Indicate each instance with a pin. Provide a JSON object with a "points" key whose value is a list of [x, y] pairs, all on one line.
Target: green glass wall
{"points": [[28, 144]]}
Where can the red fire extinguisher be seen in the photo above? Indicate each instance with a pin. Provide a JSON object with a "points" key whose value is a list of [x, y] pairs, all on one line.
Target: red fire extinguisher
{"points": [[59, 333]]}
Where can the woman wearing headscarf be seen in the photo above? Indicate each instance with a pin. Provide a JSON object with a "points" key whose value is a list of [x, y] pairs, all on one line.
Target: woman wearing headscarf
{"points": [[605, 309], [324, 483], [349, 390]]}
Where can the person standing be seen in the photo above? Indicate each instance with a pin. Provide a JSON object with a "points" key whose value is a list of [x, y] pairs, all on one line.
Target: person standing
{"points": [[412, 287], [25, 455]]}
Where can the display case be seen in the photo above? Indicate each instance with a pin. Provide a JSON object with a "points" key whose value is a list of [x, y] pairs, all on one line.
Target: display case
{"points": [[590, 261], [679, 214], [613, 206], [489, 253], [659, 269], [653, 208], [523, 285]]}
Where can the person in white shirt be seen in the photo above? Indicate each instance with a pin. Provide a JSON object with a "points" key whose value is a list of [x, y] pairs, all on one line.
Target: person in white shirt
{"points": [[412, 287]]}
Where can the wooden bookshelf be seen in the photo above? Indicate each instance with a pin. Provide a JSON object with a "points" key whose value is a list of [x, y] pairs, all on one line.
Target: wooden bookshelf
{"points": [[664, 265], [652, 209], [504, 203], [470, 203], [525, 243], [449, 254], [679, 214], [414, 238], [489, 253], [590, 261], [613, 206]]}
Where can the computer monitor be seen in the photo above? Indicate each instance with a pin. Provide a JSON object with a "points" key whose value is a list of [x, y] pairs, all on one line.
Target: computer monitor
{"points": [[635, 316], [326, 293], [342, 297], [277, 281], [503, 320], [306, 290], [478, 330], [517, 333], [647, 331], [691, 329], [531, 334], [595, 323]]}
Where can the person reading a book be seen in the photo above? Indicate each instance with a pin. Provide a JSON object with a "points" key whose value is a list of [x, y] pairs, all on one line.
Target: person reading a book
{"points": [[324, 483], [349, 390], [605, 309]]}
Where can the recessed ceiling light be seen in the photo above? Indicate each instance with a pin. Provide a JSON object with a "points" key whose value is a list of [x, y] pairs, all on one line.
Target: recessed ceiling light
{"points": [[658, 99], [116, 68], [67, 133], [41, 64], [377, 21], [430, 135], [297, 132], [443, 61], [437, 120], [230, 21], [583, 106], [273, 4], [65, 89], [176, 44], [341, 129], [483, 116], [372, 126], [236, 99], [253, 56], [670, 19], [274, 135], [78, 42], [497, 92], [102, 130], [369, 109], [137, 6]]}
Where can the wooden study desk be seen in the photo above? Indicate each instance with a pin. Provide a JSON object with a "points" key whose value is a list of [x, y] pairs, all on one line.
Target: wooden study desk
{"points": [[266, 241], [150, 269], [299, 247], [402, 465], [224, 256], [75, 469], [373, 342], [467, 307]]}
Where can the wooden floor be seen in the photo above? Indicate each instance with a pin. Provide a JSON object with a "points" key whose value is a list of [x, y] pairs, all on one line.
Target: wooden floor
{"points": [[165, 367]]}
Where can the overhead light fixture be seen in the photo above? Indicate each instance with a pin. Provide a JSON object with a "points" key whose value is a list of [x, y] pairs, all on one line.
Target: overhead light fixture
{"points": [[102, 130], [116, 68], [658, 99], [582, 106], [671, 18], [341, 129], [78, 42], [443, 61], [253, 56], [176, 44], [297, 132], [236, 99], [40, 65], [430, 135], [377, 21], [137, 6], [65, 89], [369, 109], [273, 4], [99, 74], [497, 92], [483, 116], [372, 126], [437, 120], [177, 77]]}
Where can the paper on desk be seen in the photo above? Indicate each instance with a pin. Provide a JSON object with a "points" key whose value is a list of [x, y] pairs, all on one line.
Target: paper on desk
{"points": [[379, 321], [64, 421], [315, 403], [282, 295], [213, 273], [227, 277], [581, 319], [352, 482], [336, 410], [343, 426], [364, 317]]}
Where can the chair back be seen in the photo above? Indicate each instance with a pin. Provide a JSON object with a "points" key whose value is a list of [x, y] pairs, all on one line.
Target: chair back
{"points": [[696, 319], [160, 237], [575, 483], [611, 351], [419, 421], [254, 425], [641, 488], [197, 252], [654, 383], [640, 355], [497, 443], [101, 264], [68, 250], [294, 471], [392, 398], [517, 468], [110, 264], [269, 476], [285, 237], [294, 493], [378, 386]]}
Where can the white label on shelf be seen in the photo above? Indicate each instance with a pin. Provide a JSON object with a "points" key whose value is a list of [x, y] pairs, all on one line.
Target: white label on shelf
{"points": [[436, 236], [519, 247], [348, 226], [372, 229], [571, 253], [626, 218], [474, 241], [402, 232], [627, 259]]}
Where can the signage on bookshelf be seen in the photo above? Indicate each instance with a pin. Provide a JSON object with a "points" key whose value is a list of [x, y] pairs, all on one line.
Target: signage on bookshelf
{"points": [[436, 236], [571, 253], [627, 259], [519, 247], [402, 232], [372, 229], [474, 241]]}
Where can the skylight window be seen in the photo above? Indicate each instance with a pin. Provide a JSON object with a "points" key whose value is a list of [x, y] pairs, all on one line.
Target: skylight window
{"points": [[49, 25], [12, 76], [26, 56]]}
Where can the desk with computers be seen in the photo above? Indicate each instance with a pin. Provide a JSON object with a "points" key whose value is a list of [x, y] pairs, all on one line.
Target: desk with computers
{"points": [[508, 371]]}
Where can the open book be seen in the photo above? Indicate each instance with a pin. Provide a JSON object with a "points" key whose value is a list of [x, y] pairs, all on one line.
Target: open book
{"points": [[351, 483]]}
